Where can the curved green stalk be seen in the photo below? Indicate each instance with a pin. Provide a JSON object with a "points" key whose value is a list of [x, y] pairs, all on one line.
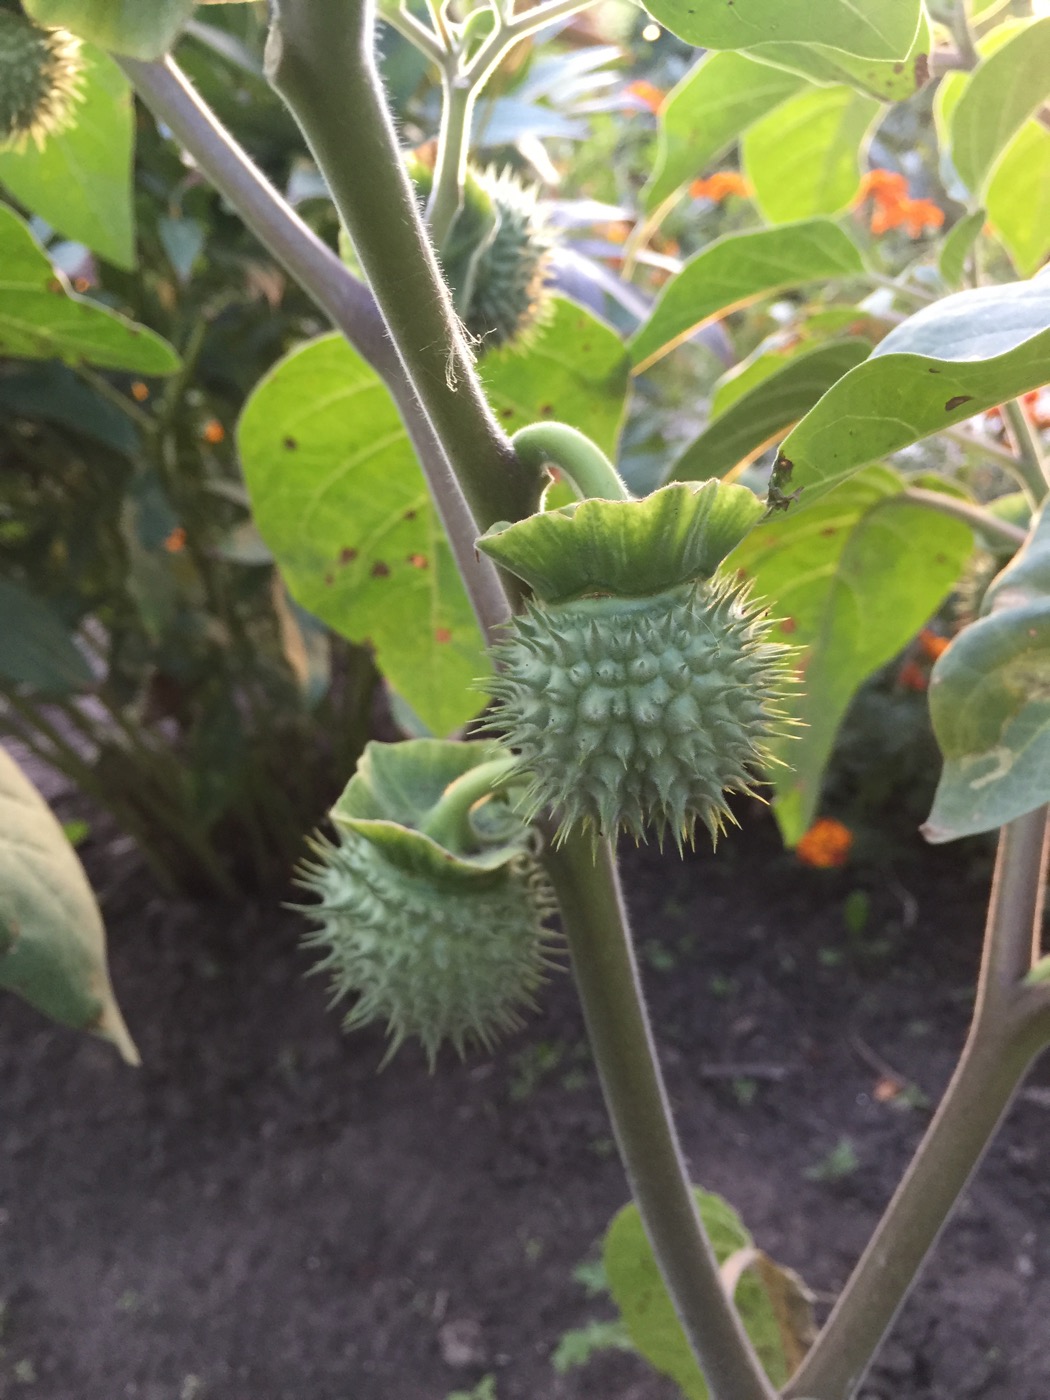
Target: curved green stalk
{"points": [[1032, 465], [1010, 1027], [592, 474], [449, 821], [976, 517], [606, 974], [320, 59]]}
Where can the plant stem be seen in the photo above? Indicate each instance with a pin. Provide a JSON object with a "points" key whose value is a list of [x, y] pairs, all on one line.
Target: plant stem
{"points": [[1009, 1029], [449, 821], [450, 168], [986, 445], [1031, 463], [320, 59], [572, 452], [347, 303], [973, 515], [606, 973]]}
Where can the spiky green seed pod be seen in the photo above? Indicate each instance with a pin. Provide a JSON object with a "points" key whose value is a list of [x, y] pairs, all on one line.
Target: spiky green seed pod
{"points": [[40, 77], [637, 690], [438, 936], [496, 255]]}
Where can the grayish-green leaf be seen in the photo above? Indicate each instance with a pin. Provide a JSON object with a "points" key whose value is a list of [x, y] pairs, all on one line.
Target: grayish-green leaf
{"points": [[870, 28], [706, 111], [52, 943], [80, 182], [738, 269], [41, 319], [1000, 95], [35, 646], [804, 158], [958, 357], [762, 415]]}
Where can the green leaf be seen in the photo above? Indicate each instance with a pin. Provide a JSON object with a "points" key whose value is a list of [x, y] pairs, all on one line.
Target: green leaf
{"points": [[805, 157], [763, 414], [680, 532], [40, 319], [144, 29], [35, 646], [52, 943], [735, 271], [771, 1302], [704, 114], [1017, 198], [338, 496], [999, 96], [574, 369], [853, 578], [870, 28], [958, 357], [52, 393], [888, 80], [80, 183], [956, 248], [990, 703]]}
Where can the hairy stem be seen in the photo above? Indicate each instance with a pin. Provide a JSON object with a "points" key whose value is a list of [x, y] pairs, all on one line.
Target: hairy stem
{"points": [[606, 973], [1009, 1029], [988, 524], [572, 452], [1031, 462], [320, 59], [450, 168], [347, 303], [449, 821]]}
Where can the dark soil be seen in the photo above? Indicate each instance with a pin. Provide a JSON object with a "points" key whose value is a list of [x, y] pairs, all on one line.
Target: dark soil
{"points": [[257, 1215]]}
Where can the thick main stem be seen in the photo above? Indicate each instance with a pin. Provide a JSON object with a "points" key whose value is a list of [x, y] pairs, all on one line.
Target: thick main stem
{"points": [[1009, 1029], [607, 978], [348, 304], [320, 59]]}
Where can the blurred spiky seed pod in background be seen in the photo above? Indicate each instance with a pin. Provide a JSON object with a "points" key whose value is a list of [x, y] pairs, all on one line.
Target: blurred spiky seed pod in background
{"points": [[40, 81], [439, 937]]}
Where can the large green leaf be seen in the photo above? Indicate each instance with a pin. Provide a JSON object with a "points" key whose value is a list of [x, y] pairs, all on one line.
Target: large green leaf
{"points": [[1017, 198], [144, 29], [52, 943], [772, 1303], [763, 414], [339, 498], [705, 113], [960, 356], [957, 246], [804, 157], [35, 647], [999, 96], [853, 579], [80, 182], [738, 269], [888, 80], [870, 28], [40, 319], [574, 370], [990, 703]]}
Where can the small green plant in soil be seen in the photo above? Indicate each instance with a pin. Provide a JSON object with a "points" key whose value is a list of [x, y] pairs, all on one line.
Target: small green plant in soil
{"points": [[667, 627]]}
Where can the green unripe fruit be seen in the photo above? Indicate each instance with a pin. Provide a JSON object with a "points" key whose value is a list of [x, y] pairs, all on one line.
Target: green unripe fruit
{"points": [[433, 920], [640, 714], [40, 75], [638, 690]]}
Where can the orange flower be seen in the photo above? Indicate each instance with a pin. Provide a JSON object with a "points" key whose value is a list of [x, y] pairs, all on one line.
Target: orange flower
{"points": [[176, 541], [912, 677], [716, 187], [892, 208], [825, 845], [647, 93], [139, 391], [932, 644], [213, 432]]}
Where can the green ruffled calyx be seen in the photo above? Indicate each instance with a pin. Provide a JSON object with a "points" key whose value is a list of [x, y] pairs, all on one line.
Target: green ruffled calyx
{"points": [[432, 906], [41, 71], [638, 690], [496, 256]]}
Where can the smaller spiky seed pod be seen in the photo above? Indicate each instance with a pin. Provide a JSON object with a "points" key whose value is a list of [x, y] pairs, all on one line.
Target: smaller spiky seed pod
{"points": [[507, 299], [636, 713], [40, 81], [436, 960]]}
